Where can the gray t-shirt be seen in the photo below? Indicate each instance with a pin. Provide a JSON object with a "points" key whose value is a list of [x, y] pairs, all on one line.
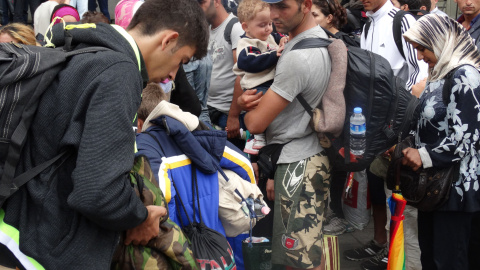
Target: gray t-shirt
{"points": [[305, 72], [220, 93]]}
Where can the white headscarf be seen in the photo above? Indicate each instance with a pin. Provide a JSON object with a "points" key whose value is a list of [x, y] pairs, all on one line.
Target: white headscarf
{"points": [[448, 40]]}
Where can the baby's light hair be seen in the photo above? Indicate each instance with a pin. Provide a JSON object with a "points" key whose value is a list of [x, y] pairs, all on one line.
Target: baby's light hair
{"points": [[248, 9]]}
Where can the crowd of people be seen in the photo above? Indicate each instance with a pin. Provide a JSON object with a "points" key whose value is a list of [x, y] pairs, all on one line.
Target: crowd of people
{"points": [[209, 85]]}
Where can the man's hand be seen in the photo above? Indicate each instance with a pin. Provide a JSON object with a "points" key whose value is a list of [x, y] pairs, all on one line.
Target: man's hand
{"points": [[249, 99], [149, 229], [233, 127], [270, 189], [412, 158]]}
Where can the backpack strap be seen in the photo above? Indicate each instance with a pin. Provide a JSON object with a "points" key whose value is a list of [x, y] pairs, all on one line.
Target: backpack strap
{"points": [[415, 12], [309, 43], [131, 41], [367, 27], [10, 186], [228, 30], [397, 30]]}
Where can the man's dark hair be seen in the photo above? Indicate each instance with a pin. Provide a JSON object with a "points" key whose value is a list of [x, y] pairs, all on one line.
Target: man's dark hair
{"points": [[94, 17], [412, 4], [183, 16], [426, 3]]}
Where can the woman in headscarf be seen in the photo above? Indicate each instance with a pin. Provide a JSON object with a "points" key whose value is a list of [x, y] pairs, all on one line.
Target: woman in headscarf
{"points": [[448, 131]]}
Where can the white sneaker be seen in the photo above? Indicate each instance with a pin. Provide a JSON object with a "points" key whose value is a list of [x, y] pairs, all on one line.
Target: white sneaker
{"points": [[249, 147], [335, 227], [259, 141]]}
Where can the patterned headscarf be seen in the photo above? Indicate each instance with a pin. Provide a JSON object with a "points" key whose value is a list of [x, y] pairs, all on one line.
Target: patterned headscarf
{"points": [[448, 40]]}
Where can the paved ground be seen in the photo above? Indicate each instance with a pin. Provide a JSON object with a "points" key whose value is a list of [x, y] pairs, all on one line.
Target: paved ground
{"points": [[346, 241], [354, 240]]}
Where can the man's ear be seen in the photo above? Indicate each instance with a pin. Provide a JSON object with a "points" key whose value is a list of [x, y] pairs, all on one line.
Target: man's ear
{"points": [[217, 3], [168, 38], [308, 6], [423, 8]]}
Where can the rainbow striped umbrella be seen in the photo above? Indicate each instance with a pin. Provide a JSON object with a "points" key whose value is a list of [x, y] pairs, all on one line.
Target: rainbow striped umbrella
{"points": [[396, 254]]}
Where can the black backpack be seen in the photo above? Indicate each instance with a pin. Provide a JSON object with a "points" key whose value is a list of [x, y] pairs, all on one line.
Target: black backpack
{"points": [[25, 74], [387, 105], [397, 26]]}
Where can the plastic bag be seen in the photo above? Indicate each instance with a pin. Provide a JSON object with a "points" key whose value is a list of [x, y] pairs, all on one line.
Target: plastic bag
{"points": [[356, 201]]}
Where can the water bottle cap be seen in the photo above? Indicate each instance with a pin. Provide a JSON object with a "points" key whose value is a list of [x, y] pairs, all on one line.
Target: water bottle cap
{"points": [[357, 110], [265, 210]]}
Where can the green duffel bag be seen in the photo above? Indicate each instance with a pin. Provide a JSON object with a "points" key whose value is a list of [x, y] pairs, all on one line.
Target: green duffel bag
{"points": [[171, 248]]}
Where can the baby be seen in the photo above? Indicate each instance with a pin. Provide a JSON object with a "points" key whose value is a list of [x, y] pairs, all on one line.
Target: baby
{"points": [[257, 54]]}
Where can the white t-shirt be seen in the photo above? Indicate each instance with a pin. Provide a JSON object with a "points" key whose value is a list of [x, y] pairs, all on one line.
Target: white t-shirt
{"points": [[41, 18], [220, 93]]}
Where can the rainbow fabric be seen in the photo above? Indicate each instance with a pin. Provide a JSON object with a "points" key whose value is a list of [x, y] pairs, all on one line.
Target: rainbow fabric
{"points": [[396, 254]]}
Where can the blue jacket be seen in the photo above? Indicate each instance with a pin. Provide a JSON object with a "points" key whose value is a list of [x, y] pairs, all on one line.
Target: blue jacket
{"points": [[171, 160]]}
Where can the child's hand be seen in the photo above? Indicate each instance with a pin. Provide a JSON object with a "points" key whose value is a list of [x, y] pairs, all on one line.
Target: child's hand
{"points": [[281, 46], [283, 41], [280, 50]]}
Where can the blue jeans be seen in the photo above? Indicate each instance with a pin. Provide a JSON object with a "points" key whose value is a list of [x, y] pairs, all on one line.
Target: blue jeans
{"points": [[198, 74], [92, 5], [80, 5], [20, 13], [222, 121], [4, 12], [264, 87]]}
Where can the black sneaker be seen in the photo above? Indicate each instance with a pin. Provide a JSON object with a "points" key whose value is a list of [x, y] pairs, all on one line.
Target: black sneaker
{"points": [[368, 251], [379, 262]]}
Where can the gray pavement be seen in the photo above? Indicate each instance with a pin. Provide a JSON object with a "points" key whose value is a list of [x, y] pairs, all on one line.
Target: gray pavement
{"points": [[354, 240], [346, 241]]}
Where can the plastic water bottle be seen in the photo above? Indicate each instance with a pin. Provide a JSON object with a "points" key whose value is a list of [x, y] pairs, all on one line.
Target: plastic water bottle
{"points": [[258, 207], [357, 132]]}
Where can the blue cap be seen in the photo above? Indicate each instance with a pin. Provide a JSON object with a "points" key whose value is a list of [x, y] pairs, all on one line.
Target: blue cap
{"points": [[357, 110], [272, 1]]}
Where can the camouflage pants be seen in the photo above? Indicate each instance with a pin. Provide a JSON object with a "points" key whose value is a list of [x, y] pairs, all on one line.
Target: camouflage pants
{"points": [[301, 191]]}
